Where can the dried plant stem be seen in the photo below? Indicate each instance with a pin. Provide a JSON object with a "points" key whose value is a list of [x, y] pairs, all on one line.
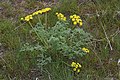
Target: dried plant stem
{"points": [[107, 37]]}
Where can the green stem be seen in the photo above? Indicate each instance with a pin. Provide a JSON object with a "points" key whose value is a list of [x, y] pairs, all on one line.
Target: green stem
{"points": [[46, 20], [35, 32], [42, 40], [39, 19]]}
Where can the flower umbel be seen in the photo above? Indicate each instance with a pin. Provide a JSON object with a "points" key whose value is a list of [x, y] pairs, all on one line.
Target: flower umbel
{"points": [[85, 50], [29, 17], [76, 20], [61, 16], [76, 66]]}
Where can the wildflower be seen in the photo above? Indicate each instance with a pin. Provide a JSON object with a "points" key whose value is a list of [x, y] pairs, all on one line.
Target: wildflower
{"points": [[56, 13], [61, 16], [22, 19], [78, 17], [47, 9], [80, 23], [71, 17], [43, 10], [76, 20], [85, 50], [74, 15], [78, 70], [40, 12], [76, 67], [28, 17], [79, 65], [74, 23], [64, 19], [34, 13], [73, 64]]}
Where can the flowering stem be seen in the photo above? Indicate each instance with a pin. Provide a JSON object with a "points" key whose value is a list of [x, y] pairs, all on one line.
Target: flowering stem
{"points": [[42, 40], [46, 20], [39, 19], [38, 34], [30, 24]]}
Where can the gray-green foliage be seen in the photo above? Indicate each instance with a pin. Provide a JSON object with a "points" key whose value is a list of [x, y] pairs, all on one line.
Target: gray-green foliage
{"points": [[68, 41], [59, 40]]}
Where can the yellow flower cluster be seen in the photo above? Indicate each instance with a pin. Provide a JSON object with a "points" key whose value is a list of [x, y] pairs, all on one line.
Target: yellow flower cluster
{"points": [[61, 16], [76, 67], [29, 17], [76, 19], [41, 11], [85, 50]]}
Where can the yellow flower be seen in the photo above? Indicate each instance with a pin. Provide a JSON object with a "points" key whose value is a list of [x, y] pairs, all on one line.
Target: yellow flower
{"points": [[77, 20], [61, 16], [75, 23], [28, 17], [77, 17], [22, 19], [40, 11], [56, 13], [85, 50], [71, 17], [76, 66], [34, 14], [47, 9], [80, 23], [78, 70], [80, 20], [73, 64], [79, 65], [74, 15], [43, 10], [31, 18], [64, 19], [74, 69]]}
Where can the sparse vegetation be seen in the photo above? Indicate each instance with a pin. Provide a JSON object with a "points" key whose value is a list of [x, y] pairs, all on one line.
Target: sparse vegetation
{"points": [[56, 44]]}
